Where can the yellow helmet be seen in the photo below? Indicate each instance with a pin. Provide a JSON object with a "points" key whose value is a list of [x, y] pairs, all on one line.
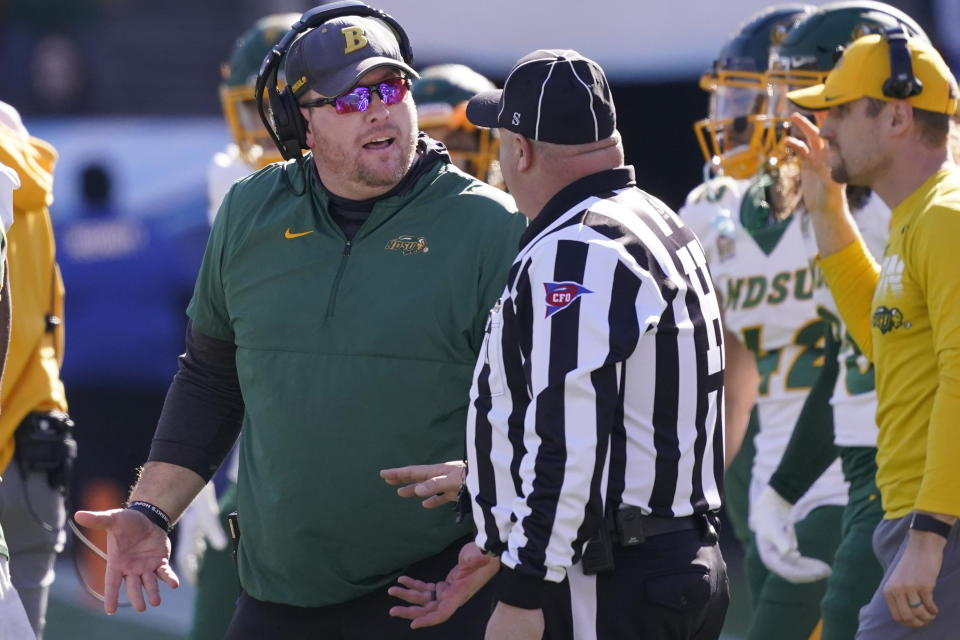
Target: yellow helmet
{"points": [[441, 96], [735, 138], [237, 88]]}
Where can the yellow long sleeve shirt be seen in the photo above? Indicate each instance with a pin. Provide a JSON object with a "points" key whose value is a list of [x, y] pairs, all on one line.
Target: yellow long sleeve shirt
{"points": [[906, 318], [31, 378]]}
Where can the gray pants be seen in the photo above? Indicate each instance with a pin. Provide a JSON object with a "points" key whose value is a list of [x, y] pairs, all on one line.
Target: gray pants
{"points": [[876, 622], [33, 517], [15, 625]]}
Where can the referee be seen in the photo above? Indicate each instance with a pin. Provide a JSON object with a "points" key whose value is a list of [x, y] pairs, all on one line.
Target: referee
{"points": [[595, 432]]}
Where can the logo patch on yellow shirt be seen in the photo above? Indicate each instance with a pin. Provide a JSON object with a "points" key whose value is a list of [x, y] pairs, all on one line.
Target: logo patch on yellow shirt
{"points": [[886, 320]]}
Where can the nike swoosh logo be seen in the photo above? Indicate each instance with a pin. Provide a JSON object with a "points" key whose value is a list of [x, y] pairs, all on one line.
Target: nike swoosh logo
{"points": [[290, 234]]}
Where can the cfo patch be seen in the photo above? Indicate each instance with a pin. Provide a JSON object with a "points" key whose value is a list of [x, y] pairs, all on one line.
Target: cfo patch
{"points": [[408, 245], [561, 294]]}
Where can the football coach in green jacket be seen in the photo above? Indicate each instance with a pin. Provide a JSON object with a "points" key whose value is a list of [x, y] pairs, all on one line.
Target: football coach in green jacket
{"points": [[337, 318]]}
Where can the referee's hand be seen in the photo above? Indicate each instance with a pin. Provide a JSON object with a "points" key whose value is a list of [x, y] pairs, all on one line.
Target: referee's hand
{"points": [[438, 483], [138, 552]]}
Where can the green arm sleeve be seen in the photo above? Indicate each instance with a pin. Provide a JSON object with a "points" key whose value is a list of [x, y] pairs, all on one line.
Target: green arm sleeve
{"points": [[811, 449]]}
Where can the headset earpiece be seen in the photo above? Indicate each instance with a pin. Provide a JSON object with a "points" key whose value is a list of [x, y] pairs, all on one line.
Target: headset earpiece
{"points": [[289, 123], [901, 84], [288, 128]]}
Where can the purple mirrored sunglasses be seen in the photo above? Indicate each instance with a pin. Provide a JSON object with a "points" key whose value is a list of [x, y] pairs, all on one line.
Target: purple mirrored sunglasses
{"points": [[357, 99]]}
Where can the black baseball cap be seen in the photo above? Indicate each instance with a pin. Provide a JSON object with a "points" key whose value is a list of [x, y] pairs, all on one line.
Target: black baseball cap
{"points": [[332, 58], [551, 95]]}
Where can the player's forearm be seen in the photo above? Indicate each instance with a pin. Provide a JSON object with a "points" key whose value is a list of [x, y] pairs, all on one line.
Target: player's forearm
{"points": [[740, 392], [810, 450], [833, 226], [168, 486]]}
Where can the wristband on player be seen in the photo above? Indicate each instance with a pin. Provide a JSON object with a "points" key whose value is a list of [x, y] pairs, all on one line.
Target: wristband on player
{"points": [[923, 522], [155, 514]]}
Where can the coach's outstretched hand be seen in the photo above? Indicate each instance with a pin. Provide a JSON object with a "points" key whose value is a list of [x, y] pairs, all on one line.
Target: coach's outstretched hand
{"points": [[438, 483], [138, 552], [435, 602]]}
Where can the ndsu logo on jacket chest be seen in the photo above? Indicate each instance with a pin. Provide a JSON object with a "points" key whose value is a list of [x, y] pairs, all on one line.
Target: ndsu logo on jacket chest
{"points": [[560, 295], [408, 245]]}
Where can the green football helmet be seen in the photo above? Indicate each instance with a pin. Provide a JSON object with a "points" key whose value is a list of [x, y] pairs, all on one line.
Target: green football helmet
{"points": [[733, 138], [813, 46], [239, 76], [441, 96]]}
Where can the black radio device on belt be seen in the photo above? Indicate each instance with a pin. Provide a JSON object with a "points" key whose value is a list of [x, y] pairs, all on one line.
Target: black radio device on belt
{"points": [[44, 442]]}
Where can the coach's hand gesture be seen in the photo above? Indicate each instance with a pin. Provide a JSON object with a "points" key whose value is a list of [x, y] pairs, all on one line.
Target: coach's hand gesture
{"points": [[138, 552], [438, 483], [435, 602], [820, 192], [823, 196]]}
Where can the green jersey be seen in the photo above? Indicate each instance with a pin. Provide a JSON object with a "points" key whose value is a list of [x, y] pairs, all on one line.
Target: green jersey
{"points": [[352, 356]]}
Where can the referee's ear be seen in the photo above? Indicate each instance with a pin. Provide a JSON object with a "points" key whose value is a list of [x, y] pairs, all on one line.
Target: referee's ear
{"points": [[516, 152]]}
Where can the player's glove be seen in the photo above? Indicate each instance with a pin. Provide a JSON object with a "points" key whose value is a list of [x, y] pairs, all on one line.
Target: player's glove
{"points": [[772, 523], [199, 525]]}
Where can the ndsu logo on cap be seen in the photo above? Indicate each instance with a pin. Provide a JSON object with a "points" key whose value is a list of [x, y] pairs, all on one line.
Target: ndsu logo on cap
{"points": [[561, 294]]}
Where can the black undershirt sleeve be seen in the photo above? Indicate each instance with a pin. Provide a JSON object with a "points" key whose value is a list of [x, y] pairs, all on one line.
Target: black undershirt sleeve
{"points": [[203, 411]]}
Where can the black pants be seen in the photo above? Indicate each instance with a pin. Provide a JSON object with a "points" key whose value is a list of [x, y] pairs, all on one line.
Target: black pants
{"points": [[365, 618], [671, 587]]}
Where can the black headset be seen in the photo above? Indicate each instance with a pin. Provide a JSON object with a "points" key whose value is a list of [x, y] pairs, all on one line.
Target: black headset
{"points": [[287, 128], [901, 84]]}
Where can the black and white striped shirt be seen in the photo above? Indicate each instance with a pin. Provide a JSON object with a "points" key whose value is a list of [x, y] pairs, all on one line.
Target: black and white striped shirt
{"points": [[600, 378]]}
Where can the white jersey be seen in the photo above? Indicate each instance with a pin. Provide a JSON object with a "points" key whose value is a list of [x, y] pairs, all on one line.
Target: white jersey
{"points": [[9, 180], [854, 396], [767, 281], [226, 167]]}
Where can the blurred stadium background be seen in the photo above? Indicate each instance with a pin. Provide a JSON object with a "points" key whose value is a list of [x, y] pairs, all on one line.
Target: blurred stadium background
{"points": [[131, 88]]}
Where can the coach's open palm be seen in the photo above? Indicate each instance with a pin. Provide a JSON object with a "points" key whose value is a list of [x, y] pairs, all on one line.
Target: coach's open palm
{"points": [[138, 552], [436, 602]]}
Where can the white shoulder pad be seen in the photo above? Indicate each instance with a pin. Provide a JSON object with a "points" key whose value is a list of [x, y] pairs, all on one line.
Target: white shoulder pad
{"points": [[712, 204]]}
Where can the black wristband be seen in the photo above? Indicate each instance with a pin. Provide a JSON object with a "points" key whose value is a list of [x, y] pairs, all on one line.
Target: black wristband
{"points": [[155, 514], [923, 522]]}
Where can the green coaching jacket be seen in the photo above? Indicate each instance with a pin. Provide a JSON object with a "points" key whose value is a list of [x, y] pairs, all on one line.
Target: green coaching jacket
{"points": [[352, 357]]}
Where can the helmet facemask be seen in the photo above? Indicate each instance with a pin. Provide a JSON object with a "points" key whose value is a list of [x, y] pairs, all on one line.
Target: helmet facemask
{"points": [[734, 137], [472, 149], [238, 84], [737, 137], [240, 111], [441, 96]]}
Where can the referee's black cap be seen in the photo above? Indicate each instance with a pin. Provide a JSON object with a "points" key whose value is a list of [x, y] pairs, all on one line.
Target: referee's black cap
{"points": [[551, 95]]}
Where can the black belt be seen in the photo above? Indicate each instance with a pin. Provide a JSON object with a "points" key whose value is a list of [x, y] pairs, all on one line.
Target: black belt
{"points": [[631, 526], [628, 527]]}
